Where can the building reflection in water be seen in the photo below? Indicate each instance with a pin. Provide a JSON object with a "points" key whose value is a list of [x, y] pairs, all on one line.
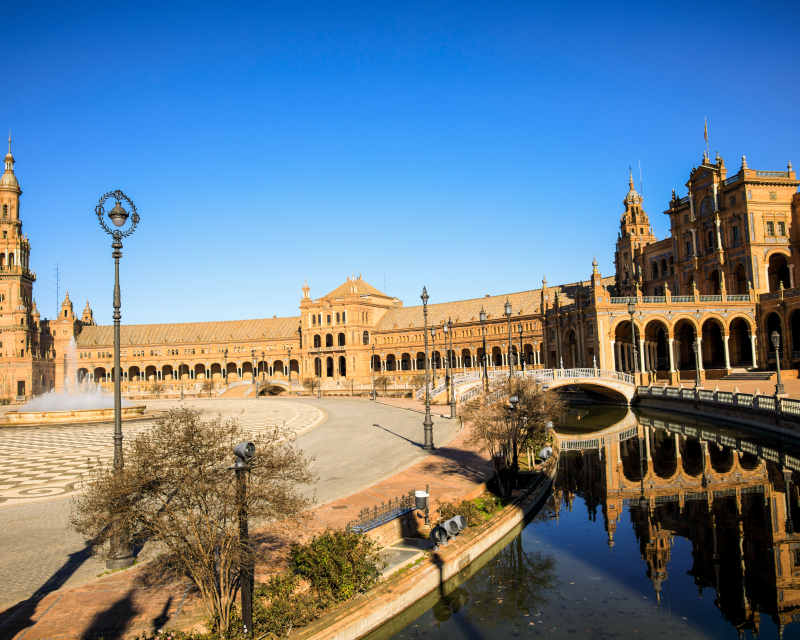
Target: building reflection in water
{"points": [[733, 497]]}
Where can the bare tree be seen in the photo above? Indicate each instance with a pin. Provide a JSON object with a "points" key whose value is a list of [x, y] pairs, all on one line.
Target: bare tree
{"points": [[382, 382], [207, 387], [177, 493], [156, 388], [502, 431], [311, 384]]}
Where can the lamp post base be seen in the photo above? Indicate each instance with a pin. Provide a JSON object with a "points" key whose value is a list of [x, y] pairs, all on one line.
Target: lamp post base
{"points": [[428, 430], [122, 560]]}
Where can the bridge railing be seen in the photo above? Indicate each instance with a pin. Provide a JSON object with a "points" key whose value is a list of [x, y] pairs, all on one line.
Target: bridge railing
{"points": [[551, 375], [764, 403]]}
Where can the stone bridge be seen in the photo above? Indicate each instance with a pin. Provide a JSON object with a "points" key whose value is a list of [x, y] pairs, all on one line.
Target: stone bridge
{"points": [[614, 385]]}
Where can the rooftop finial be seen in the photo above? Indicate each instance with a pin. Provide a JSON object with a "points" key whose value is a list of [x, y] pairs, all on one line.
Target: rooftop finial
{"points": [[630, 182], [9, 139], [744, 162]]}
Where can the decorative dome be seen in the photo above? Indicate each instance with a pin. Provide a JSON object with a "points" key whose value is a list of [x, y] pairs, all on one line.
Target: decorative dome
{"points": [[8, 179], [632, 195]]}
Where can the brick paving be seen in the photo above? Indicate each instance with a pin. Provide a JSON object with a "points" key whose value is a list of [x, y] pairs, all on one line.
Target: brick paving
{"points": [[121, 605]]}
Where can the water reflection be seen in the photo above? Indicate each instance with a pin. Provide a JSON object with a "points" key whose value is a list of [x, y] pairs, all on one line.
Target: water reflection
{"points": [[732, 496], [710, 549]]}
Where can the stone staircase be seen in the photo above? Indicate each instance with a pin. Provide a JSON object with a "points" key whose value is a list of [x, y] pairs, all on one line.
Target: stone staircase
{"points": [[237, 392], [749, 374]]}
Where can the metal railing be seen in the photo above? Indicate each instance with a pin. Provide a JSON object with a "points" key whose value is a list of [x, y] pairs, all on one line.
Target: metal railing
{"points": [[765, 403], [772, 174], [732, 179], [711, 298], [371, 518]]}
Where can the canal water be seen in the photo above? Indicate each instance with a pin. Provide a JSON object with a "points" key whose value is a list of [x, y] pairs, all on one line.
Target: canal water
{"points": [[657, 525]]}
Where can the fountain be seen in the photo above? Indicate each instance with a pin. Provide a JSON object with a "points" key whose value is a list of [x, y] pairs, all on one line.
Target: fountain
{"points": [[81, 400]]}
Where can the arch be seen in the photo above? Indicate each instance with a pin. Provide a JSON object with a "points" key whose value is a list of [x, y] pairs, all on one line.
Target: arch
{"points": [[278, 369], [317, 341], [329, 367], [328, 340], [570, 349], [405, 362], [689, 282], [82, 375], [692, 457], [712, 283], [656, 331], [2, 260], [664, 271], [167, 370], [317, 367], [778, 271], [685, 332], [10, 259], [199, 371], [654, 269], [741, 353], [625, 349], [721, 458], [150, 373], [420, 360], [340, 339], [391, 362], [375, 363], [739, 279], [343, 366], [100, 374], [466, 357], [664, 454], [231, 370], [365, 337], [497, 356], [773, 323], [713, 350]]}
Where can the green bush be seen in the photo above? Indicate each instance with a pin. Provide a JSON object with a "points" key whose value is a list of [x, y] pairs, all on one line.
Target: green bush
{"points": [[337, 564], [277, 609], [466, 508]]}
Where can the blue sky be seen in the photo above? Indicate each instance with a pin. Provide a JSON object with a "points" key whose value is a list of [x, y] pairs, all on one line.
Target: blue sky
{"points": [[466, 147]]}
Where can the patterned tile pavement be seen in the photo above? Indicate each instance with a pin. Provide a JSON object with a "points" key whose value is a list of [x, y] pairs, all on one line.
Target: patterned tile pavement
{"points": [[44, 462]]}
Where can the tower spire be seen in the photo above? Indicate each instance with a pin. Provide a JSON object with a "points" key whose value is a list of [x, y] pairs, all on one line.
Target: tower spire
{"points": [[630, 182]]}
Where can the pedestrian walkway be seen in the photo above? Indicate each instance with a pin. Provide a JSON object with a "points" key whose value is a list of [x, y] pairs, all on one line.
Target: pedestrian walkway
{"points": [[123, 605]]}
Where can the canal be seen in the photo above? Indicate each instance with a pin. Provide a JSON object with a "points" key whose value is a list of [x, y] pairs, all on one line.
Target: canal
{"points": [[657, 525]]}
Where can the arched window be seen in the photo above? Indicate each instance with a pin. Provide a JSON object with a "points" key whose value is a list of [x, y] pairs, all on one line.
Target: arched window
{"points": [[663, 267], [655, 270], [344, 317], [365, 337], [337, 317], [711, 239], [314, 321], [319, 320], [328, 339], [340, 339], [316, 342], [5, 210]]}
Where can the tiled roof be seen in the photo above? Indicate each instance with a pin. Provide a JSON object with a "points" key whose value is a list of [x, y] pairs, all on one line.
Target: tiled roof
{"points": [[191, 332], [522, 303], [363, 288]]}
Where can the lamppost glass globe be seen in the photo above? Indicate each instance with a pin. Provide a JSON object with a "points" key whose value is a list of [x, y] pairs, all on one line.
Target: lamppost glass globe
{"points": [[508, 309], [118, 215], [776, 339], [483, 315], [631, 306]]}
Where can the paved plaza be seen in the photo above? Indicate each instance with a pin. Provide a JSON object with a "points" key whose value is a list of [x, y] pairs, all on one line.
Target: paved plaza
{"points": [[355, 443]]}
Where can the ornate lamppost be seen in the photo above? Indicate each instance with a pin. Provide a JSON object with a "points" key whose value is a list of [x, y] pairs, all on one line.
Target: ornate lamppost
{"points": [[776, 343], [319, 354], [225, 366], [427, 424], [289, 350], [373, 370], [263, 370], [255, 367], [449, 327], [521, 352], [696, 349], [446, 331], [483, 358], [632, 310], [121, 556], [510, 355]]}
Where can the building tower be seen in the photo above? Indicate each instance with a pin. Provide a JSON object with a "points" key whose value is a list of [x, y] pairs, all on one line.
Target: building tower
{"points": [[24, 370], [635, 234]]}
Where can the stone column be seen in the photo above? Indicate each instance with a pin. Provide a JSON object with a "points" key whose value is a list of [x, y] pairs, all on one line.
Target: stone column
{"points": [[691, 206], [613, 355], [791, 276], [700, 351], [671, 356], [727, 353], [753, 348], [641, 355]]}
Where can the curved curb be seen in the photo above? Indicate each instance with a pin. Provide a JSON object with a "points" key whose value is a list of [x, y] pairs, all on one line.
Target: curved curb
{"points": [[369, 611]]}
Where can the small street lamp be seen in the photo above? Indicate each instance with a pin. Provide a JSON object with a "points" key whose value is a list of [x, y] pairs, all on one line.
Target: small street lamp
{"points": [[225, 366], [121, 556], [483, 358], [433, 353], [427, 424], [512, 405], [632, 310], [696, 348], [521, 352], [290, 367], [776, 342], [449, 327], [263, 370], [319, 352], [373, 371], [255, 368], [446, 330], [244, 452], [510, 361]]}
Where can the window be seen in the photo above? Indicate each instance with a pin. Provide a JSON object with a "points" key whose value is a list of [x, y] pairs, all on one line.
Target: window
{"points": [[732, 200], [365, 337], [749, 195], [735, 234], [314, 320], [688, 248], [711, 239], [344, 317], [5, 234], [328, 318], [781, 228], [770, 229], [655, 270], [625, 256], [5, 210], [337, 318]]}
